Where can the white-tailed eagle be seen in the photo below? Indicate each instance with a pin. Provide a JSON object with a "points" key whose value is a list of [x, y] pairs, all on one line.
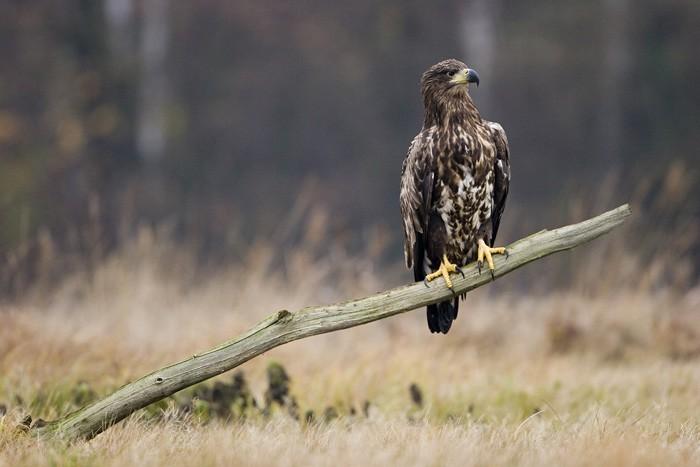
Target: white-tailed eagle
{"points": [[454, 184]]}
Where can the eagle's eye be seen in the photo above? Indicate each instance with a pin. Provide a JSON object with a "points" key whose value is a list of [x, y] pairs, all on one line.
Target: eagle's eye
{"points": [[450, 73]]}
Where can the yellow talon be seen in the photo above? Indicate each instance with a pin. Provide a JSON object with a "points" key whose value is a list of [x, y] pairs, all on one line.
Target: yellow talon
{"points": [[444, 270], [486, 251]]}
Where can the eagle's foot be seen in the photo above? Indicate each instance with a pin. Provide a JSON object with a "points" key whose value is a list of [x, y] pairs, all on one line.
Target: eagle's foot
{"points": [[486, 251], [444, 271]]}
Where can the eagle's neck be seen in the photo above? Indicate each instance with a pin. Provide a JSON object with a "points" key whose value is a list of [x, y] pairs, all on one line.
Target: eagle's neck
{"points": [[445, 113]]}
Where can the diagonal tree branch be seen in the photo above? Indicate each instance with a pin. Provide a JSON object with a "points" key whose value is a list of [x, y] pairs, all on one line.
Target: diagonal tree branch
{"points": [[283, 327]]}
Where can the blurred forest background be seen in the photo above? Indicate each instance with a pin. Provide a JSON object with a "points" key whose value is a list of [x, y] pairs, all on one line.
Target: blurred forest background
{"points": [[223, 123]]}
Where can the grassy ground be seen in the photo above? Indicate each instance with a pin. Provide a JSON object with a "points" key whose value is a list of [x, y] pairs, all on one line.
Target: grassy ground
{"points": [[590, 375]]}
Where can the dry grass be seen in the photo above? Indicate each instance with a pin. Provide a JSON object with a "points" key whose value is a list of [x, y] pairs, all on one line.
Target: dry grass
{"points": [[592, 375], [597, 438]]}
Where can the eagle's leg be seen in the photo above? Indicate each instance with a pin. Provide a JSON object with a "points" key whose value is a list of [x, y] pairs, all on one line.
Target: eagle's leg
{"points": [[445, 269], [486, 251]]}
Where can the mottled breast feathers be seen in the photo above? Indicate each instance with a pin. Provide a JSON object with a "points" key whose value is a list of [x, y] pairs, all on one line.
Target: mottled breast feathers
{"points": [[425, 188]]}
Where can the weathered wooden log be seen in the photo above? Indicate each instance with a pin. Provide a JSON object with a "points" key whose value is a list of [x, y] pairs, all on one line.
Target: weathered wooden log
{"points": [[284, 326]]}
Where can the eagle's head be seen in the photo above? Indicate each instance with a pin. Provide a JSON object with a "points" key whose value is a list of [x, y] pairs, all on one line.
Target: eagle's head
{"points": [[445, 84]]}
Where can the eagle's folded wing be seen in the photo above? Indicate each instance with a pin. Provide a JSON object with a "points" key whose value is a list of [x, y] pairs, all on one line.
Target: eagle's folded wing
{"points": [[416, 193], [502, 177]]}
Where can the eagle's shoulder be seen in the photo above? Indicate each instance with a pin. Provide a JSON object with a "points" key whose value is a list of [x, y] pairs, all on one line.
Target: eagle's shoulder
{"points": [[499, 137], [496, 127], [420, 150], [500, 140], [416, 189]]}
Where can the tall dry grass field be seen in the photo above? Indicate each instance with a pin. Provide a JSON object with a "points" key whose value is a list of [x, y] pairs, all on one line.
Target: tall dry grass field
{"points": [[603, 371]]}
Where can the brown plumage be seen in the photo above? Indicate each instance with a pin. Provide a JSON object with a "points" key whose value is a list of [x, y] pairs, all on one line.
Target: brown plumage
{"points": [[454, 181]]}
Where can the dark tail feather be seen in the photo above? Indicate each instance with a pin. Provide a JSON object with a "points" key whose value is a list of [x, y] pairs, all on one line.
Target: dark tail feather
{"points": [[441, 315]]}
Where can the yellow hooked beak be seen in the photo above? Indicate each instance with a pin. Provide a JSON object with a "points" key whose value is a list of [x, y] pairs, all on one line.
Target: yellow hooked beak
{"points": [[466, 76]]}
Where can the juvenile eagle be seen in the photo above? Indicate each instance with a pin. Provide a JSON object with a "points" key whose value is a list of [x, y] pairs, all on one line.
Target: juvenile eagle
{"points": [[454, 183]]}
